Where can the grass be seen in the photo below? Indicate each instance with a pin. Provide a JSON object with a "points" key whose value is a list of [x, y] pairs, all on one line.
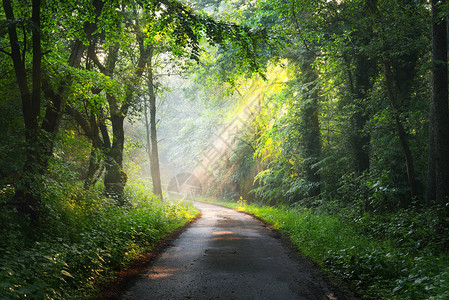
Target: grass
{"points": [[83, 240], [398, 256]]}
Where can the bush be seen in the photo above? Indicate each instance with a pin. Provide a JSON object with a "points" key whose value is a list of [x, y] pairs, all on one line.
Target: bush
{"points": [[83, 239]]}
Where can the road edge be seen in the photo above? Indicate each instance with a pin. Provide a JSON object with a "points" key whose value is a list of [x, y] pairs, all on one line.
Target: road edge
{"points": [[341, 290], [125, 278]]}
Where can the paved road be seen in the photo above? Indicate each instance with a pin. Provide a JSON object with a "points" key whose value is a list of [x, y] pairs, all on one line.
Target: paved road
{"points": [[228, 255]]}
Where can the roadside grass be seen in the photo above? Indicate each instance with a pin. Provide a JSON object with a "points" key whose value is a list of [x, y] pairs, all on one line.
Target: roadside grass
{"points": [[83, 240], [398, 256]]}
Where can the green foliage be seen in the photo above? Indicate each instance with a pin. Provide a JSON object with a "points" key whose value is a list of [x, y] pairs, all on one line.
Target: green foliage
{"points": [[82, 240], [368, 192], [12, 152]]}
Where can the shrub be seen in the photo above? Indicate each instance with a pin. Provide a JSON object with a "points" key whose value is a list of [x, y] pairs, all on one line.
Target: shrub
{"points": [[82, 240]]}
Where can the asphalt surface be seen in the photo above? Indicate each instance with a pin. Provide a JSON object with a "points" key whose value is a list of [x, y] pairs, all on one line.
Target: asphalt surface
{"points": [[228, 255]]}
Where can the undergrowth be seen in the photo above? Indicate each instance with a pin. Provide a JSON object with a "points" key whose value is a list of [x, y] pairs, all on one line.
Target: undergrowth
{"points": [[393, 256], [81, 241]]}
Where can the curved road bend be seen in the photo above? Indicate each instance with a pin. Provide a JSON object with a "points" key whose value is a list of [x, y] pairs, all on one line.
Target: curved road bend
{"points": [[228, 255]]}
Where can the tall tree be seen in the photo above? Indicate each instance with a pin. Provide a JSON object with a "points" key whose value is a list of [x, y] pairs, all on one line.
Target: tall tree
{"points": [[40, 130], [150, 127], [439, 111], [117, 108], [27, 195], [360, 87], [400, 59], [310, 133], [361, 69]]}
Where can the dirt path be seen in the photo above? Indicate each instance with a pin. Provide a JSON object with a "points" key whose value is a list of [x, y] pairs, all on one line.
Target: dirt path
{"points": [[228, 255]]}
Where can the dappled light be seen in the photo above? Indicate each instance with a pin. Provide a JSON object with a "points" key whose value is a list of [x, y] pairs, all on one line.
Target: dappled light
{"points": [[327, 120], [222, 232], [160, 273]]}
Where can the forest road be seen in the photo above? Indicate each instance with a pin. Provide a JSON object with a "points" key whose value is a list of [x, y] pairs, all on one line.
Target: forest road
{"points": [[228, 255]]}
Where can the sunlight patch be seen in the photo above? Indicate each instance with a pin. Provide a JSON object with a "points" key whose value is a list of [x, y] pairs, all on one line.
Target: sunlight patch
{"points": [[160, 272], [222, 232]]}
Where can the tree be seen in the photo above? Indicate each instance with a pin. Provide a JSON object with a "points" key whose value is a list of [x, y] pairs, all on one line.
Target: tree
{"points": [[400, 67], [439, 112], [150, 128], [310, 133], [40, 130], [116, 106], [29, 200]]}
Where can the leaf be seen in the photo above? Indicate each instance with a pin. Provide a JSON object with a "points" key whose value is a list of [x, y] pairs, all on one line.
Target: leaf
{"points": [[65, 273]]}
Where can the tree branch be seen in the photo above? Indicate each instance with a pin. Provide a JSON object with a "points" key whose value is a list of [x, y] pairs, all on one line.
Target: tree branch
{"points": [[92, 55], [6, 52]]}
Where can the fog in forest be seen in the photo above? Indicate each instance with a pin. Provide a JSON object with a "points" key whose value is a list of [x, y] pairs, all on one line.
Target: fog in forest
{"points": [[188, 126]]}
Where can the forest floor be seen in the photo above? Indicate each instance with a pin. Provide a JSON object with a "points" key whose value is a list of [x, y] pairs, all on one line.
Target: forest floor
{"points": [[227, 254]]}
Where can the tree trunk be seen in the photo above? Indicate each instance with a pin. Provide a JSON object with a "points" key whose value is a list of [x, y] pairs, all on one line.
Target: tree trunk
{"points": [[411, 178], [310, 128], [115, 178], [360, 85], [94, 168], [154, 159], [151, 130], [152, 150], [40, 141], [393, 91], [430, 180], [360, 141], [439, 103], [27, 193]]}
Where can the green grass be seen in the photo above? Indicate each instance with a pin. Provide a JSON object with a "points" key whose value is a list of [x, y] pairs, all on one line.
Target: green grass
{"points": [[392, 258], [83, 239]]}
